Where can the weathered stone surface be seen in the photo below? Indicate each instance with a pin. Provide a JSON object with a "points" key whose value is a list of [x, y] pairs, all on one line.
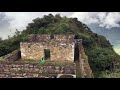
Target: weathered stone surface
{"points": [[68, 69], [10, 66], [15, 69], [61, 47], [17, 77], [13, 74], [1, 65], [57, 71], [2, 75], [36, 70], [28, 71], [26, 65], [35, 75], [7, 73], [19, 69], [58, 68], [14, 56], [31, 66], [6, 70], [1, 69], [24, 74], [14, 66]]}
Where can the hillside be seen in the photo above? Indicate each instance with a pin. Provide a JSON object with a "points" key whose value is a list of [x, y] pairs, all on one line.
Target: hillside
{"points": [[100, 52]]}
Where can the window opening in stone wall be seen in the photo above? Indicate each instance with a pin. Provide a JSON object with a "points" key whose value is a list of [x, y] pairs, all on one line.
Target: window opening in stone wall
{"points": [[29, 46], [51, 36], [47, 54]]}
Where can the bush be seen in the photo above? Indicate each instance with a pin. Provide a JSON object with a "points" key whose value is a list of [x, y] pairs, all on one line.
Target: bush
{"points": [[108, 74], [102, 59]]}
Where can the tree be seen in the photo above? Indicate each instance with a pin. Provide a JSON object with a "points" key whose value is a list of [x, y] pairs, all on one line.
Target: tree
{"points": [[1, 39]]}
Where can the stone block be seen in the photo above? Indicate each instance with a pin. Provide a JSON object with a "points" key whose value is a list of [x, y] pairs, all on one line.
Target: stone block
{"points": [[13, 74], [35, 75], [24, 74], [31, 66], [6, 70], [36, 70]]}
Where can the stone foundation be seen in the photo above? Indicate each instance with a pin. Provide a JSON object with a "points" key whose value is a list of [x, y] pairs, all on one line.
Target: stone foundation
{"points": [[13, 56], [27, 70]]}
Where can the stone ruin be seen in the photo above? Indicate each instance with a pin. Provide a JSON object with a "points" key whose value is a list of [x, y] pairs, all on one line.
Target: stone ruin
{"points": [[58, 47], [51, 47]]}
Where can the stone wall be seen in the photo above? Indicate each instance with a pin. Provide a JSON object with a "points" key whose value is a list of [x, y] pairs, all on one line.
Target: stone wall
{"points": [[27, 70], [38, 37], [47, 37], [64, 38], [14, 56], [58, 50]]}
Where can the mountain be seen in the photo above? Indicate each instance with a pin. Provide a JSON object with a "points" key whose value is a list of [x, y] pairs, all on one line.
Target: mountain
{"points": [[100, 52]]}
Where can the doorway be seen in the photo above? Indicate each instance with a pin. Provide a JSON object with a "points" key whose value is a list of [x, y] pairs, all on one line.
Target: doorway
{"points": [[47, 54], [76, 52]]}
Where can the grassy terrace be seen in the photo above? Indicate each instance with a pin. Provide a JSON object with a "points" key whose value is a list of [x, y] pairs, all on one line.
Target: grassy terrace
{"points": [[57, 63]]}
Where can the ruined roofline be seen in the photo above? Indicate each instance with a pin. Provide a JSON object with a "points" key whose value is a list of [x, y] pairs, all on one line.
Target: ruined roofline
{"points": [[48, 37], [54, 41], [54, 34], [50, 42], [69, 38]]}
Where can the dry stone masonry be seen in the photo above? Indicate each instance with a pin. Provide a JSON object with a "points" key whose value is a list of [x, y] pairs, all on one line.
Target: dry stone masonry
{"points": [[29, 70], [13, 56], [55, 48], [61, 47]]}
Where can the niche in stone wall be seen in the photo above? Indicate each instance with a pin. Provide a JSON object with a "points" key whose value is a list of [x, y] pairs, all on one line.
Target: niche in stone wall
{"points": [[29, 45], [52, 36]]}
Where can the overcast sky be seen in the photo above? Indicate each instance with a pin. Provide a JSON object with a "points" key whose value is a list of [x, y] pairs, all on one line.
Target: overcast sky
{"points": [[10, 21]]}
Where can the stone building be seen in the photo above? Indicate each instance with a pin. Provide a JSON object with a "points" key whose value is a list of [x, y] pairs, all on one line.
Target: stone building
{"points": [[58, 47], [51, 47]]}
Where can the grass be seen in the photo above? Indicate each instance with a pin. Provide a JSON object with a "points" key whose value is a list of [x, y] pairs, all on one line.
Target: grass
{"points": [[38, 62]]}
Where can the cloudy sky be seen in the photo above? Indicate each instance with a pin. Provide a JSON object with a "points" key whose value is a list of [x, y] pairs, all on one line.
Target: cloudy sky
{"points": [[103, 23]]}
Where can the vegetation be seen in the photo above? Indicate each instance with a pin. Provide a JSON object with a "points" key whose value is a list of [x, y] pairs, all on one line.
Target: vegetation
{"points": [[100, 53], [108, 74]]}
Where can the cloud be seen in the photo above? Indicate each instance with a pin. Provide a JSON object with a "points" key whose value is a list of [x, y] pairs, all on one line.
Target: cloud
{"points": [[10, 21], [4, 21], [4, 25], [103, 19], [21, 19]]}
